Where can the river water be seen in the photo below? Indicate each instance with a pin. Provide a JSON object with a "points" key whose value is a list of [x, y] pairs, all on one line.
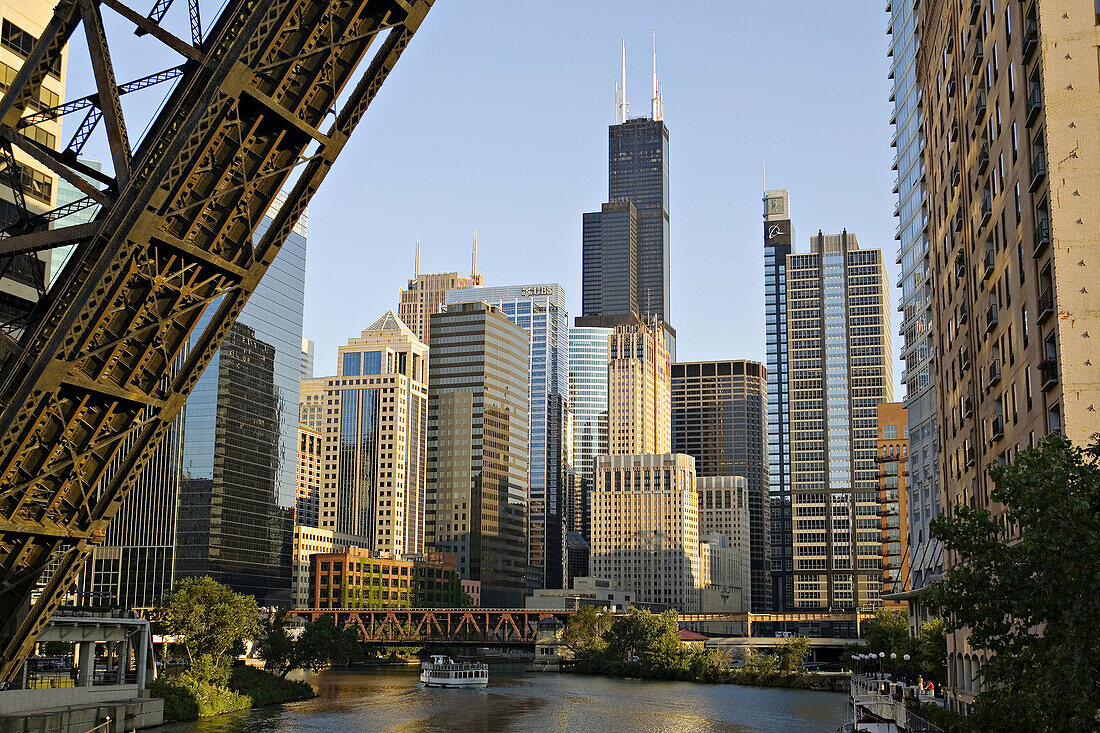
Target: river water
{"points": [[391, 699]]}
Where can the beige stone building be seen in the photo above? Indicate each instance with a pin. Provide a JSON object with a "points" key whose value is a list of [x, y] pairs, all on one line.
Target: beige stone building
{"points": [[311, 402], [646, 536], [1012, 131], [427, 293], [309, 541], [724, 522], [375, 426], [22, 22], [307, 483], [639, 390]]}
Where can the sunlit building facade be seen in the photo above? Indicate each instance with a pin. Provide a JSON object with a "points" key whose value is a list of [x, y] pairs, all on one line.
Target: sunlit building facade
{"points": [[589, 357], [841, 366], [478, 423], [540, 310], [375, 439]]}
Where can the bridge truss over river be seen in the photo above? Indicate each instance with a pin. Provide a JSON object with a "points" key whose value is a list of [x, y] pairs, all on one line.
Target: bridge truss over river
{"points": [[508, 626], [92, 377]]}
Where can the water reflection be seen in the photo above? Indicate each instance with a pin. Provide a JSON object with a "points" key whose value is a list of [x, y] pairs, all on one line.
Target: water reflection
{"points": [[392, 700]]}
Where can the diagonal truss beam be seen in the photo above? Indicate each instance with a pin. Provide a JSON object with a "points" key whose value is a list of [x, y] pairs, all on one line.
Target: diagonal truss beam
{"points": [[111, 352], [109, 101], [76, 105]]}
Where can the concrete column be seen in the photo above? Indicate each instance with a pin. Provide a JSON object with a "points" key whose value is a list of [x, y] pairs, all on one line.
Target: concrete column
{"points": [[123, 660], [144, 641], [112, 651], [85, 660]]}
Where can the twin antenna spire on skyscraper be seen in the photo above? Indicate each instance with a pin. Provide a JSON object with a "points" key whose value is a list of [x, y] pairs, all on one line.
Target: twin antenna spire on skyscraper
{"points": [[656, 101], [473, 263]]}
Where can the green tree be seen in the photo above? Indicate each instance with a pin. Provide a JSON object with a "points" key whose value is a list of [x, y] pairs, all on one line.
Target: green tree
{"points": [[275, 646], [209, 619], [1031, 602], [932, 650], [637, 632], [791, 653], [888, 632], [586, 629], [322, 644]]}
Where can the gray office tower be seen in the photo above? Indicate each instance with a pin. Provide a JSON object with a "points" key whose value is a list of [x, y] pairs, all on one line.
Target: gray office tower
{"points": [[540, 310], [217, 498], [719, 417], [778, 238], [240, 440], [925, 552], [625, 245]]}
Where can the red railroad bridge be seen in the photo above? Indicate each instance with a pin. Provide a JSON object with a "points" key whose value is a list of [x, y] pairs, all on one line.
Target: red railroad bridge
{"points": [[395, 626]]}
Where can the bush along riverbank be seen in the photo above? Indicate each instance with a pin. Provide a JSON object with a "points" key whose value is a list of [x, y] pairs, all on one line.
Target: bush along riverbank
{"points": [[643, 644], [210, 624], [188, 696]]}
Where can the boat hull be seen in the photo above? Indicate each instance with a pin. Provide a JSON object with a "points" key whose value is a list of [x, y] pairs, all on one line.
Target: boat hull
{"points": [[453, 683]]}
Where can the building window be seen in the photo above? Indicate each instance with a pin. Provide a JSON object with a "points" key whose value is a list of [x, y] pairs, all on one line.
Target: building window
{"points": [[19, 42]]}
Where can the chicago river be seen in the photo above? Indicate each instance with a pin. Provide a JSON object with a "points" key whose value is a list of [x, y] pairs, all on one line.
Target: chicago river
{"points": [[391, 699]]}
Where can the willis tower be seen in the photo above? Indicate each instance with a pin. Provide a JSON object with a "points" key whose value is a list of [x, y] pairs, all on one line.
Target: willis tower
{"points": [[625, 252]]}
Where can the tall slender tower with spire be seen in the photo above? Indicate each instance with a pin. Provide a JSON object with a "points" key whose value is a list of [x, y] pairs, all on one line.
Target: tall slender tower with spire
{"points": [[426, 292], [625, 250]]}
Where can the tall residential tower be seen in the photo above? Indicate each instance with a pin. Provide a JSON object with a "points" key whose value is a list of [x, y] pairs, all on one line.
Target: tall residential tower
{"points": [[1012, 134], [841, 366], [918, 344], [778, 241]]}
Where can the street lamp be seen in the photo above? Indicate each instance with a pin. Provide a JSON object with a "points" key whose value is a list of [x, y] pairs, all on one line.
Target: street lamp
{"points": [[908, 671], [894, 663], [881, 661]]}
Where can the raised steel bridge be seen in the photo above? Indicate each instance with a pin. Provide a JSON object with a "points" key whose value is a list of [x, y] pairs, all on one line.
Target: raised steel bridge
{"points": [[512, 626], [93, 375]]}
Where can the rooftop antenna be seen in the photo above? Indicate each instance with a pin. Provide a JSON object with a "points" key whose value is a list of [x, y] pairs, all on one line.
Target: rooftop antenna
{"points": [[473, 271], [417, 255], [620, 96], [658, 98]]}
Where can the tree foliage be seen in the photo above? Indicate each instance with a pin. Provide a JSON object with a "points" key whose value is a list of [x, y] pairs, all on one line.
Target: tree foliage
{"points": [[1031, 602], [208, 619], [931, 650], [322, 644], [888, 632], [587, 628], [275, 646], [638, 644]]}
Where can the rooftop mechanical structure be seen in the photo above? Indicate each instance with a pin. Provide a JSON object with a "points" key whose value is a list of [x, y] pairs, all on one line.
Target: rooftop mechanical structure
{"points": [[92, 377]]}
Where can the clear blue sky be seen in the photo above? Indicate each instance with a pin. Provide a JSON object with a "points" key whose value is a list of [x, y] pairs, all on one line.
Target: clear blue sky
{"points": [[496, 119]]}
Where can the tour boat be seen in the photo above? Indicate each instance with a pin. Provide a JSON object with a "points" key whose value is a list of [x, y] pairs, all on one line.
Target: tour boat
{"points": [[443, 671]]}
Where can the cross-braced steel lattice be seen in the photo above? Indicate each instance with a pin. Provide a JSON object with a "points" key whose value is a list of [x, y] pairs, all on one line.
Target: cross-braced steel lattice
{"points": [[88, 379]]}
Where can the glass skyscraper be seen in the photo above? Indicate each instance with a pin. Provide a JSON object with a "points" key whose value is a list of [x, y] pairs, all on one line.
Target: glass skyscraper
{"points": [[478, 428], [840, 368], [239, 455], [719, 413], [589, 356], [925, 561], [778, 239], [541, 311], [625, 247]]}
